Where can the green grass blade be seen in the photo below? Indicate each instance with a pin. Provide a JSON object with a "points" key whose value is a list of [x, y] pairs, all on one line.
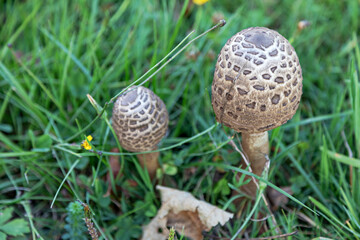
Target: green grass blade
{"points": [[317, 119], [5, 103], [342, 158], [169, 147], [20, 29], [336, 222], [63, 48], [6, 74], [63, 181], [356, 98], [247, 219], [16, 154]]}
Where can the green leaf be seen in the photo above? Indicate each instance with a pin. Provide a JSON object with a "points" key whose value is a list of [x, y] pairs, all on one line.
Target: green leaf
{"points": [[151, 212], [222, 187], [6, 128], [43, 141], [128, 229], [16, 227], [170, 169], [2, 236], [5, 215], [104, 201]]}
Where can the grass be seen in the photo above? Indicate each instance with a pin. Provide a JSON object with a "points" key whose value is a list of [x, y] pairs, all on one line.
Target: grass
{"points": [[62, 50]]}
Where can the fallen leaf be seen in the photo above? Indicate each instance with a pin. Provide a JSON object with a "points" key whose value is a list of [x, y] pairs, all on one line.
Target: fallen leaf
{"points": [[115, 168], [189, 173], [278, 199], [185, 213]]}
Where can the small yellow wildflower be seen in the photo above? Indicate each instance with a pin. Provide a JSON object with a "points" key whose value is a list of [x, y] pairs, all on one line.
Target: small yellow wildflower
{"points": [[85, 144], [200, 2]]}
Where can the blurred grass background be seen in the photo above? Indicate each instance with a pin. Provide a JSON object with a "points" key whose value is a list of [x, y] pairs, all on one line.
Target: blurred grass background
{"points": [[53, 53]]}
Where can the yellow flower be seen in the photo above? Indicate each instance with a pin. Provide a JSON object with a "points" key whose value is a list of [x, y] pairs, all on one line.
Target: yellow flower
{"points": [[200, 2], [85, 144]]}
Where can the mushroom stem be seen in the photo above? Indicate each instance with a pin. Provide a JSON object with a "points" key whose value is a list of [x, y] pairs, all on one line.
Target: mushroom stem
{"points": [[255, 146], [150, 161]]}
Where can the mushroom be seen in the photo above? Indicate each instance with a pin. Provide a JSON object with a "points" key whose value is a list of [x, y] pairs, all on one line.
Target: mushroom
{"points": [[257, 86], [140, 121]]}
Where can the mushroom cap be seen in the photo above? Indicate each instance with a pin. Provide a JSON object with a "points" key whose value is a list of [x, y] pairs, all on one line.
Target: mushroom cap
{"points": [[140, 119], [257, 82]]}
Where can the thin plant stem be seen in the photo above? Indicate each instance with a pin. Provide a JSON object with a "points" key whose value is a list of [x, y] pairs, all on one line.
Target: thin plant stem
{"points": [[256, 183], [157, 64], [220, 24], [249, 215], [350, 155]]}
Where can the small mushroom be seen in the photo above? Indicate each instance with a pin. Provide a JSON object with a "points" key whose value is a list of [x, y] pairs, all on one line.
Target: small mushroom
{"points": [[140, 121], [257, 86]]}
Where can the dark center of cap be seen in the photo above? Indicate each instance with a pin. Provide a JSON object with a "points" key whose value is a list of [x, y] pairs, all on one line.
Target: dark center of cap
{"points": [[260, 39], [129, 97]]}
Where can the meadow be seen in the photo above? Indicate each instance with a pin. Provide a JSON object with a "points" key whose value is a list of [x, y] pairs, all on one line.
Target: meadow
{"points": [[54, 53]]}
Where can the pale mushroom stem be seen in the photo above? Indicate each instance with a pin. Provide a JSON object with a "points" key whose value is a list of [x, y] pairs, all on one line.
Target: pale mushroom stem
{"points": [[255, 147], [150, 161]]}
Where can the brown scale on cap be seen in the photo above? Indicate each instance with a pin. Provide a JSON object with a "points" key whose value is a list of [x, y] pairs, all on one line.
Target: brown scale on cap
{"points": [[140, 119], [257, 81]]}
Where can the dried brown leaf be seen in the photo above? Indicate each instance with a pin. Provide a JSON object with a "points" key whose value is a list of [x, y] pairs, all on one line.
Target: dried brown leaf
{"points": [[278, 199], [185, 213], [115, 168]]}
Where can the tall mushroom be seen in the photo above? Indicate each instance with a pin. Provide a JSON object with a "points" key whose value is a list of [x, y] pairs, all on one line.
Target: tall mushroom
{"points": [[257, 86], [140, 120]]}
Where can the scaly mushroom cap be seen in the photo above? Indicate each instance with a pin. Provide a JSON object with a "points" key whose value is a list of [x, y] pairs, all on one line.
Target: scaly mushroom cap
{"points": [[140, 119], [257, 82]]}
